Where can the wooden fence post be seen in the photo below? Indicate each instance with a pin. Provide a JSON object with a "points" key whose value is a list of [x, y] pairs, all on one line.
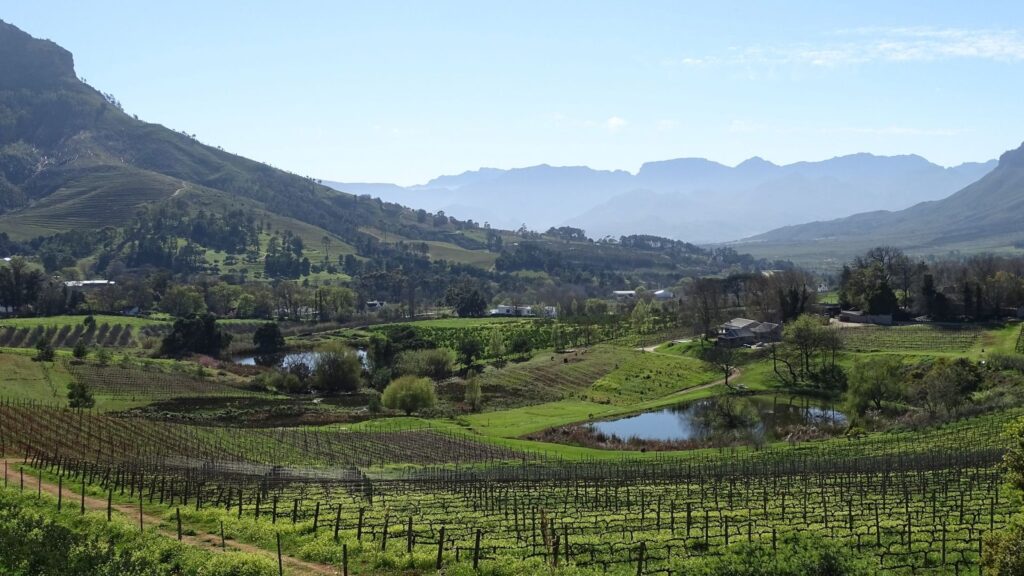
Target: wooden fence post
{"points": [[440, 548], [280, 563]]}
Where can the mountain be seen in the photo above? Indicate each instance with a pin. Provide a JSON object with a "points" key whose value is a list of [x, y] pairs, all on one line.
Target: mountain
{"points": [[984, 216], [686, 198], [84, 185], [72, 160]]}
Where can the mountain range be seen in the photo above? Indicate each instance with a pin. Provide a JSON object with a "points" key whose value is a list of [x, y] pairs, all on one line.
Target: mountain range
{"points": [[985, 216], [694, 199]]}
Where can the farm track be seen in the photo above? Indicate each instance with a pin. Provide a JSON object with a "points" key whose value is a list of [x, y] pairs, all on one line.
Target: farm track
{"points": [[206, 541]]}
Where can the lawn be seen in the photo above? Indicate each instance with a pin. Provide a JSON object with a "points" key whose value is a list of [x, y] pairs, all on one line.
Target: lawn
{"points": [[133, 321]]}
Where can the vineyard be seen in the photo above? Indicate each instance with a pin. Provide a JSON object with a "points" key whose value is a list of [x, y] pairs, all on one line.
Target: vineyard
{"points": [[917, 502], [148, 382], [913, 338]]}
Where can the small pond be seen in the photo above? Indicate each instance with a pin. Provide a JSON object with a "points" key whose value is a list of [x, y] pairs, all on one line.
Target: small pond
{"points": [[309, 358], [752, 417]]}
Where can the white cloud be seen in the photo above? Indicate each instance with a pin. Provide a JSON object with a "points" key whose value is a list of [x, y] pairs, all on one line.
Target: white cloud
{"points": [[615, 123]]}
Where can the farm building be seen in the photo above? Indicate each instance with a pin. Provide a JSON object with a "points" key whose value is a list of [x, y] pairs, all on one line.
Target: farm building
{"points": [[743, 331]]}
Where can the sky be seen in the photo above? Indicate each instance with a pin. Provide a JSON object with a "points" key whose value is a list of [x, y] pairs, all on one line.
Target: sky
{"points": [[405, 91]]}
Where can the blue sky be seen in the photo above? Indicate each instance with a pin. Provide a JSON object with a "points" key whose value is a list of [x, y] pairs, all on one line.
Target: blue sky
{"points": [[404, 91]]}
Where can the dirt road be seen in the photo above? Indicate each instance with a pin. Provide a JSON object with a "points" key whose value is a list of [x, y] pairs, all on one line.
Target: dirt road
{"points": [[72, 499]]}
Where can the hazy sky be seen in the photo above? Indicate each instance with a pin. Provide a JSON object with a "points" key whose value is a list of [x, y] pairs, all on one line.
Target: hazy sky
{"points": [[404, 91]]}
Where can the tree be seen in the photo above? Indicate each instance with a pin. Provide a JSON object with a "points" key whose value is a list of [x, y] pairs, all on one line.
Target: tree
{"points": [[474, 397], [80, 351], [470, 348], [338, 369], [410, 394], [722, 357], [705, 298], [520, 344], [268, 339], [947, 385], [79, 395], [44, 351], [198, 334], [435, 363], [19, 286], [496, 345], [471, 304], [873, 381], [183, 301]]}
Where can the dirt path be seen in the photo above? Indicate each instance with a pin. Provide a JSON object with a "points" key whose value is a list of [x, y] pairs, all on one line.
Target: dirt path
{"points": [[72, 499], [736, 373]]}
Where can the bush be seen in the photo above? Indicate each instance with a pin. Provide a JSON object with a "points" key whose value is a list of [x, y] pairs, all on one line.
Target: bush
{"points": [[44, 351], [79, 395], [410, 394], [338, 369], [436, 363], [80, 351], [998, 361], [268, 339]]}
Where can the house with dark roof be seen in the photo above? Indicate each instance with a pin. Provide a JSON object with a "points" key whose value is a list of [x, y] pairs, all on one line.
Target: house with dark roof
{"points": [[744, 332]]}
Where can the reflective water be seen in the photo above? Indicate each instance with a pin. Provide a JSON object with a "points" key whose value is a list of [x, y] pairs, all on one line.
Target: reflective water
{"points": [[714, 417]]}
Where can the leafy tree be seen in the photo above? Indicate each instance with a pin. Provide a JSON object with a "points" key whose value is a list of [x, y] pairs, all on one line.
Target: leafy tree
{"points": [[338, 369], [435, 363], [183, 301], [496, 345], [873, 381], [79, 395], [103, 356], [520, 344], [197, 334], [44, 351], [410, 394], [474, 396], [268, 339], [470, 348], [80, 351], [946, 386]]}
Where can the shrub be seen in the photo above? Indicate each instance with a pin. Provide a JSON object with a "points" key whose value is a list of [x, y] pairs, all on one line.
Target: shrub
{"points": [[410, 394], [338, 369], [80, 350], [79, 395], [44, 351], [436, 363]]}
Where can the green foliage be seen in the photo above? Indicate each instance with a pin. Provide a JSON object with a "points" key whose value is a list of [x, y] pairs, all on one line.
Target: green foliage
{"points": [[338, 369], [474, 397], [79, 395], [200, 335], [436, 363], [794, 555], [410, 394], [35, 540], [103, 356], [1014, 457], [470, 348], [874, 380], [182, 301], [44, 351], [80, 351], [268, 338]]}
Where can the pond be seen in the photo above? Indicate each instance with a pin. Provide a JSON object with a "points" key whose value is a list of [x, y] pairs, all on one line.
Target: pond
{"points": [[756, 417], [309, 358]]}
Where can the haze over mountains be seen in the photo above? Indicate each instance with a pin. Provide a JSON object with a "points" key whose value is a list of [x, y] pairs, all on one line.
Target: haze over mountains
{"points": [[694, 199], [985, 216]]}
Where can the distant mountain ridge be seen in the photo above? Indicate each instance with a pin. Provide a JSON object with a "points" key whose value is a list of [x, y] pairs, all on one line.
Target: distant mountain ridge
{"points": [[686, 198], [986, 215]]}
